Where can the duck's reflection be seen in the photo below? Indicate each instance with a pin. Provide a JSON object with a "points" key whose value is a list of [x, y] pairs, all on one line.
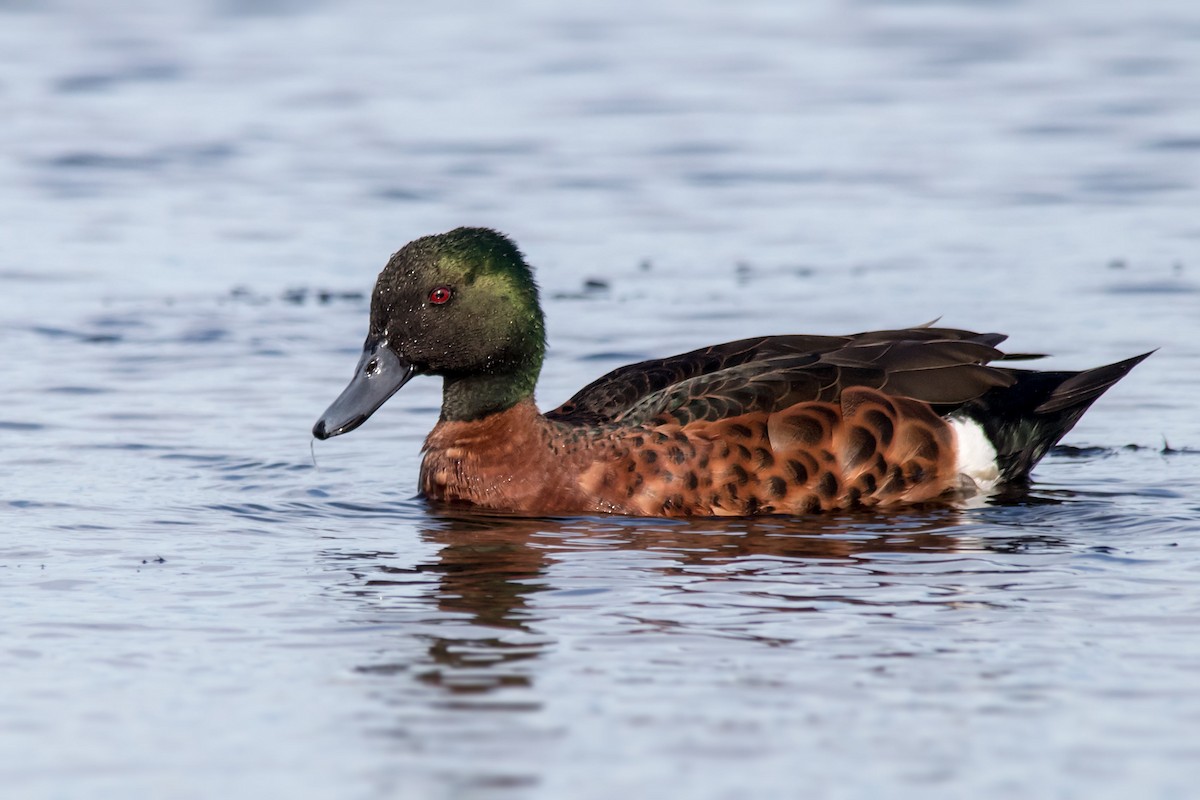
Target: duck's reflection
{"points": [[477, 615]]}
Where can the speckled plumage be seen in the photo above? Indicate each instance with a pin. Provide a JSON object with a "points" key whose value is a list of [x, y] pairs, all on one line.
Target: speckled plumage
{"points": [[772, 425]]}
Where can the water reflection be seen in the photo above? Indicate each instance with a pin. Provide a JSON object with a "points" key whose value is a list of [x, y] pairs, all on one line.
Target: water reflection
{"points": [[481, 556], [485, 607]]}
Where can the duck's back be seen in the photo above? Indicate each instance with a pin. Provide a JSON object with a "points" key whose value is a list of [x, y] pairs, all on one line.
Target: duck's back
{"points": [[794, 424], [769, 373]]}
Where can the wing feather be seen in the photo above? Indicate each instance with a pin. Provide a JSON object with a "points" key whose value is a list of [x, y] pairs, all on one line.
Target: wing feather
{"points": [[942, 366]]}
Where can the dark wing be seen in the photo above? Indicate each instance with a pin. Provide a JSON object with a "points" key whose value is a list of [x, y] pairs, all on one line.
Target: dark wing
{"points": [[941, 366], [608, 397]]}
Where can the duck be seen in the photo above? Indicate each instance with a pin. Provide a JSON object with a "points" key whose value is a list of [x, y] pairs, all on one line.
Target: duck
{"points": [[774, 425]]}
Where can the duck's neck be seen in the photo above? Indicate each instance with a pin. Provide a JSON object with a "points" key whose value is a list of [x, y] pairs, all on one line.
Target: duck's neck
{"points": [[471, 397]]}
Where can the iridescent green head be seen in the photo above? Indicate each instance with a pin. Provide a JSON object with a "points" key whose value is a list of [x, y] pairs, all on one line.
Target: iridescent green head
{"points": [[462, 305]]}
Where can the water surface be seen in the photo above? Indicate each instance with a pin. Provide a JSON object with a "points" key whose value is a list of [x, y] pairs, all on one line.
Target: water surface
{"points": [[196, 198]]}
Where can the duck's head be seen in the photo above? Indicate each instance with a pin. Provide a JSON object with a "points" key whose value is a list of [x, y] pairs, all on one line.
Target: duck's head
{"points": [[462, 305]]}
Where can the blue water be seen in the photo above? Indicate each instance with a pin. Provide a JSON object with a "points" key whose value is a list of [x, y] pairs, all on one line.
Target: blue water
{"points": [[195, 198]]}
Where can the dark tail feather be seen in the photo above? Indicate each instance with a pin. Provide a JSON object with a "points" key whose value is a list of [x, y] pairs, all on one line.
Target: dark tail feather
{"points": [[1025, 420]]}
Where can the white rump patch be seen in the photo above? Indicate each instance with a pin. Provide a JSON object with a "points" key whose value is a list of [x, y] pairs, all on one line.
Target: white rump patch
{"points": [[976, 455]]}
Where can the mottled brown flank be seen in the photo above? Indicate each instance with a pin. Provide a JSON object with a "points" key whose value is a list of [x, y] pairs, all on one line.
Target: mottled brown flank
{"points": [[797, 472], [807, 429], [880, 422], [866, 450], [860, 445]]}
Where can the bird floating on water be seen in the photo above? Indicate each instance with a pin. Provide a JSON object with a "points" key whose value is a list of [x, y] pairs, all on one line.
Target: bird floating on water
{"points": [[790, 424]]}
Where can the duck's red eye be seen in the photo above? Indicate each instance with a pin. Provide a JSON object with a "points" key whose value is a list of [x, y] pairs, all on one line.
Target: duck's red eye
{"points": [[440, 295]]}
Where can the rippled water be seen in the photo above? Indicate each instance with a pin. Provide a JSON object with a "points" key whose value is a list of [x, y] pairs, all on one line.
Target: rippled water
{"points": [[196, 197]]}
